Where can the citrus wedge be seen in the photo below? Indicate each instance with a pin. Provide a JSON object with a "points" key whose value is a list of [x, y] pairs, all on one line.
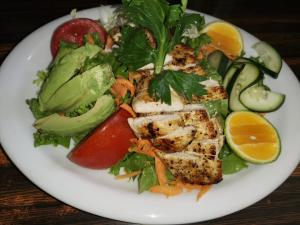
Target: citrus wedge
{"points": [[252, 137], [225, 37]]}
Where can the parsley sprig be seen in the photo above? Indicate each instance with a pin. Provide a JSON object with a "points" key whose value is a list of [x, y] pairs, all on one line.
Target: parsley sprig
{"points": [[168, 24], [184, 84]]}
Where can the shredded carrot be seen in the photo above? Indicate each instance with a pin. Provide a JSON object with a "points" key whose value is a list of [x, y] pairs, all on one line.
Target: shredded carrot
{"points": [[109, 42], [166, 190], [204, 189], [160, 171], [90, 39], [128, 175], [120, 88], [144, 147], [164, 187], [128, 109], [189, 187]]}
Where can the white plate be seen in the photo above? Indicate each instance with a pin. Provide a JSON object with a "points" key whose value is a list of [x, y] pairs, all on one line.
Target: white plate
{"points": [[98, 192]]}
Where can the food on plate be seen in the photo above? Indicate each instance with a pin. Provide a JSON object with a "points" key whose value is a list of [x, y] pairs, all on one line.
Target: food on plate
{"points": [[75, 30], [252, 137], [149, 97], [106, 145]]}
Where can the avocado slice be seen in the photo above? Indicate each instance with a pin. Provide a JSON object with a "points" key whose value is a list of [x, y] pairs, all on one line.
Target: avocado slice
{"points": [[61, 72], [63, 51], [82, 89], [69, 126]]}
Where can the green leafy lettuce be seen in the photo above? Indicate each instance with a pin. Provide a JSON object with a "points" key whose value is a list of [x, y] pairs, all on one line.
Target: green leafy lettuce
{"points": [[44, 138], [139, 162], [231, 163]]}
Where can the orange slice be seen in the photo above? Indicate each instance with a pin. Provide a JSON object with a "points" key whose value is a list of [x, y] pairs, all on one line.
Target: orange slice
{"points": [[225, 37], [252, 137]]}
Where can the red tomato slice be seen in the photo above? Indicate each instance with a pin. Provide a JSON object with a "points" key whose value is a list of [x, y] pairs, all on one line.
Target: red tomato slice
{"points": [[106, 145], [74, 30]]}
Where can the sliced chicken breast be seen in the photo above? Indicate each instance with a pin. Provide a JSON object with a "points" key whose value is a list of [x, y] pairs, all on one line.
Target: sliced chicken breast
{"points": [[192, 167], [177, 140], [209, 147], [163, 124]]}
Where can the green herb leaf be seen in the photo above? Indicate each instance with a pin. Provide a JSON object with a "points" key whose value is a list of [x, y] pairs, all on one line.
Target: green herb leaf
{"points": [[152, 16], [185, 24], [135, 50], [147, 179], [175, 13], [184, 84]]}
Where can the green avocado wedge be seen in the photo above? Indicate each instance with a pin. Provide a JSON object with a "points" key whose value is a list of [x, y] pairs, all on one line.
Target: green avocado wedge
{"points": [[63, 70], [69, 126], [82, 89]]}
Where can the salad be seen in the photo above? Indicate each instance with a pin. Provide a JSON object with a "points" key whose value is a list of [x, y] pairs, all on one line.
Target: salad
{"points": [[158, 96]]}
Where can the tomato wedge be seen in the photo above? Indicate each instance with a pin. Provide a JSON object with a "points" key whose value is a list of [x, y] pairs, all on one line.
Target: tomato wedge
{"points": [[106, 145], [74, 30]]}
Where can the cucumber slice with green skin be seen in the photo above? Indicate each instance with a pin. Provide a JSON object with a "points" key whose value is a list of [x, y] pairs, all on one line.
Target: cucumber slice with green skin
{"points": [[219, 61], [270, 58], [262, 67], [258, 98], [248, 76], [233, 70]]}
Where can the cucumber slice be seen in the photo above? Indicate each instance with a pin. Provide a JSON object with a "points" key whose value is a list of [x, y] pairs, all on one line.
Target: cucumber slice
{"points": [[219, 61], [260, 99], [233, 70], [270, 58], [248, 76]]}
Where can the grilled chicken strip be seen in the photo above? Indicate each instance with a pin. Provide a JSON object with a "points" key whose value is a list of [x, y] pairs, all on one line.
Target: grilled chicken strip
{"points": [[143, 103], [193, 168], [210, 147], [160, 125]]}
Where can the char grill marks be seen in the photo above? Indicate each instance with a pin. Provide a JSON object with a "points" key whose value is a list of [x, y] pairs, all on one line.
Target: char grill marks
{"points": [[187, 139]]}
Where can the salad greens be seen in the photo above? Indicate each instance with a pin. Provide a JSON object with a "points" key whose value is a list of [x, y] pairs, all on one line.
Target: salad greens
{"points": [[231, 163], [45, 138], [135, 50], [133, 162], [169, 26], [138, 162]]}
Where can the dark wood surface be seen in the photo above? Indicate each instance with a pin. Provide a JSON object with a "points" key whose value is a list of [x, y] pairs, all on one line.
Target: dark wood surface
{"points": [[276, 22]]}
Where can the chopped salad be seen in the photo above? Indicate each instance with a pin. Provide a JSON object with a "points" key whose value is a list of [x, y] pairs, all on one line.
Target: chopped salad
{"points": [[149, 95]]}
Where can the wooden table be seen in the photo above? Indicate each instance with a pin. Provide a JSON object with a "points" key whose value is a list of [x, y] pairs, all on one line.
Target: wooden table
{"points": [[21, 202]]}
